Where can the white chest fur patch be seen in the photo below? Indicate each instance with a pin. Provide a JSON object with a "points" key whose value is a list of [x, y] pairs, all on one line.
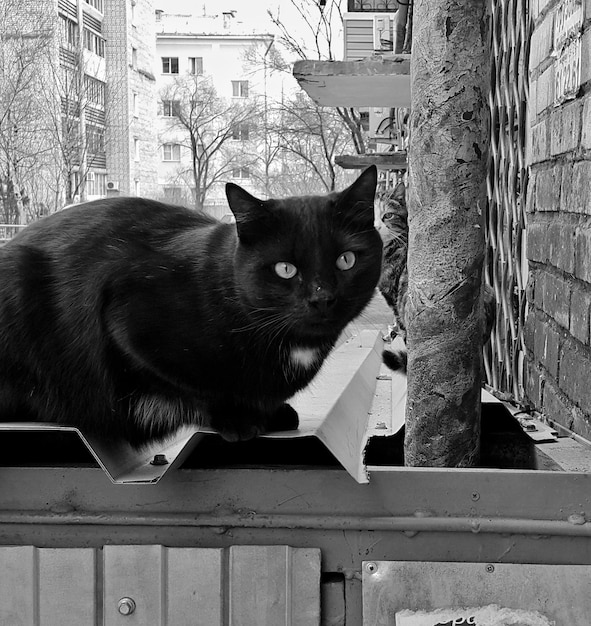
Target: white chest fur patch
{"points": [[303, 357]]}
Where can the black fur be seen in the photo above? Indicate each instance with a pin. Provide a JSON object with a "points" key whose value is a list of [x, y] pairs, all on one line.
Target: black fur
{"points": [[129, 318]]}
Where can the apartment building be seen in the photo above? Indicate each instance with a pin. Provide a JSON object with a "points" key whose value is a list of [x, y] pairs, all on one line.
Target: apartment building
{"points": [[211, 56]]}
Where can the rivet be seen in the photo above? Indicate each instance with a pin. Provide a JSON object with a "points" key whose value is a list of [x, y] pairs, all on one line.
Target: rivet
{"points": [[490, 568], [126, 606], [371, 567], [159, 459]]}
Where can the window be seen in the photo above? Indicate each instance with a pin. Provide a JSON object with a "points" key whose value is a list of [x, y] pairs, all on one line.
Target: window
{"points": [[170, 108], [241, 132], [97, 4], [69, 31], [171, 152], [95, 91], [136, 185], [93, 42], [136, 106], [196, 65], [136, 149], [240, 88], [133, 3], [241, 172], [96, 184], [95, 139], [170, 65], [134, 57], [173, 194]]}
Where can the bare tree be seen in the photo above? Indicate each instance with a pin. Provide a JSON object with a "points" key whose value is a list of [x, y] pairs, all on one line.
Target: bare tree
{"points": [[320, 21], [310, 137], [215, 131], [24, 141]]}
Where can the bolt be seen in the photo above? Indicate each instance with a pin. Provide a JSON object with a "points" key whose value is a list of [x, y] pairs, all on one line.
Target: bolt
{"points": [[159, 459], [371, 567], [126, 606], [475, 496], [490, 568]]}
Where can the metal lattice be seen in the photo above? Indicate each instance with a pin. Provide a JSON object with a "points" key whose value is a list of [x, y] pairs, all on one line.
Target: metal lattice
{"points": [[506, 262]]}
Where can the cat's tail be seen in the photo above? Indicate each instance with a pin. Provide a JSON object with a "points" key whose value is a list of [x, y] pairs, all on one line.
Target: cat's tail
{"points": [[396, 360]]}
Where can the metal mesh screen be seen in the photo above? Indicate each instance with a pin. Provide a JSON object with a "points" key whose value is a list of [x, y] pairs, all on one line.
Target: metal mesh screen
{"points": [[506, 262]]}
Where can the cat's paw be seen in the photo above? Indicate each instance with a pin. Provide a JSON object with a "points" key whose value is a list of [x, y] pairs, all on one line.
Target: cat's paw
{"points": [[285, 418], [238, 431], [251, 424]]}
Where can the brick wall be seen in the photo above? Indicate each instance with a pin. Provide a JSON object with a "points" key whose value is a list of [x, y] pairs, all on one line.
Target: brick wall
{"points": [[559, 225]]}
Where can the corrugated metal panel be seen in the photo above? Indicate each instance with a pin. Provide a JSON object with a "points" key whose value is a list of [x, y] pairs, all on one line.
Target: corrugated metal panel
{"points": [[47, 587], [262, 585], [274, 585], [153, 585]]}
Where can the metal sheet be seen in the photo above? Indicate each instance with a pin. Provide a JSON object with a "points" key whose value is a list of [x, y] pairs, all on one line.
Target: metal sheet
{"points": [[46, 586], [244, 585], [335, 408], [530, 594]]}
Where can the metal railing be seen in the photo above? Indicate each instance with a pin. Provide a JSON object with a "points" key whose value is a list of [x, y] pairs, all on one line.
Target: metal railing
{"points": [[8, 231]]}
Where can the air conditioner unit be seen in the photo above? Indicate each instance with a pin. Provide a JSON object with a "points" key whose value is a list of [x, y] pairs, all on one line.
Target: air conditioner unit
{"points": [[113, 185], [366, 33], [382, 33]]}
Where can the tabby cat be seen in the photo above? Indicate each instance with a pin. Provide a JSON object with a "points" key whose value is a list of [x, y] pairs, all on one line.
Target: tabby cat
{"points": [[130, 318]]}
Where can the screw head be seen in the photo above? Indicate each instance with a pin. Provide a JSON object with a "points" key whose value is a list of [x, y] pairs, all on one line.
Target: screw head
{"points": [[371, 567], [159, 459], [490, 568], [475, 496], [126, 606]]}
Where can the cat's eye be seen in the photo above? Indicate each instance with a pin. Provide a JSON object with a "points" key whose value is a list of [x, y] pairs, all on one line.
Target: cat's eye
{"points": [[387, 216], [285, 270], [346, 261]]}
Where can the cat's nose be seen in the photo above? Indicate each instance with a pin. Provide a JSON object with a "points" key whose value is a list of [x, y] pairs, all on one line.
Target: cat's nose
{"points": [[322, 300]]}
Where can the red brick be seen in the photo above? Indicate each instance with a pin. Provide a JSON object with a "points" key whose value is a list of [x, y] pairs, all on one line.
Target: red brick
{"points": [[537, 248], [548, 184], [586, 133], [583, 253], [541, 43], [580, 308], [575, 365], [538, 143], [557, 299], [581, 422], [565, 127], [576, 195], [555, 406]]}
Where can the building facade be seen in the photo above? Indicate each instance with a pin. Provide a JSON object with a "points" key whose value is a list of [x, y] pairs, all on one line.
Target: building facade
{"points": [[213, 86]]}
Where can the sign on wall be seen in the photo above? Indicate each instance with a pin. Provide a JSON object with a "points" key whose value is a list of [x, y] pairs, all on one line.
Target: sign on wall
{"points": [[492, 615], [568, 22], [426, 593]]}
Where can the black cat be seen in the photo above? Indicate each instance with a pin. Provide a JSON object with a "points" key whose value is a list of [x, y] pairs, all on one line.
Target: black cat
{"points": [[130, 318]]}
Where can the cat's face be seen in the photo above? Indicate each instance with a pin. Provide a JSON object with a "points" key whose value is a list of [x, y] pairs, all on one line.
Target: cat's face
{"points": [[393, 214], [307, 265]]}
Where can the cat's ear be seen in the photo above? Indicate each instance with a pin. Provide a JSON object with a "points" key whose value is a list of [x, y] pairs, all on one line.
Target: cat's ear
{"points": [[356, 202], [250, 212], [399, 192]]}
